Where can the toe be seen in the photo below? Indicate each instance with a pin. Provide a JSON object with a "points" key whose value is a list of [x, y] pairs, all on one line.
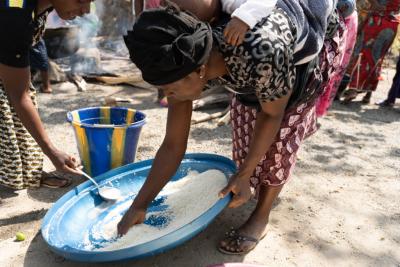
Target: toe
{"points": [[223, 243]]}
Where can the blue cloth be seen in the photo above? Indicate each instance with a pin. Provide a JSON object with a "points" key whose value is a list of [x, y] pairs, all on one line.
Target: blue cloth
{"points": [[346, 7], [311, 18], [38, 56], [394, 91]]}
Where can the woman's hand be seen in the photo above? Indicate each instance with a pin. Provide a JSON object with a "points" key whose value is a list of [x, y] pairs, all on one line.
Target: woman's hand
{"points": [[132, 216], [239, 185], [63, 162]]}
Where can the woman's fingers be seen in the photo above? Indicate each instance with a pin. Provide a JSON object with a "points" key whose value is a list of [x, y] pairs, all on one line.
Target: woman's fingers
{"points": [[225, 191], [238, 200], [130, 218], [71, 162], [127, 222], [71, 170], [122, 228]]}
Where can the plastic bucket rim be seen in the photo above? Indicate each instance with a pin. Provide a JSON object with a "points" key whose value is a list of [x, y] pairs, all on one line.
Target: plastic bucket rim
{"points": [[105, 126]]}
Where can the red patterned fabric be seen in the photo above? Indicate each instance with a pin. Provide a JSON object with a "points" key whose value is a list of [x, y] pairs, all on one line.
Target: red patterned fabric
{"points": [[299, 122], [345, 40], [276, 165], [377, 31]]}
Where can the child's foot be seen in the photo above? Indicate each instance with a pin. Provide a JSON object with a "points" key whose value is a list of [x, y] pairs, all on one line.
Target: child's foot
{"points": [[244, 239]]}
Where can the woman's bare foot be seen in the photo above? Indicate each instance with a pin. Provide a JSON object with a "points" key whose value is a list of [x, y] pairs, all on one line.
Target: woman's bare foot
{"points": [[46, 90], [246, 238]]}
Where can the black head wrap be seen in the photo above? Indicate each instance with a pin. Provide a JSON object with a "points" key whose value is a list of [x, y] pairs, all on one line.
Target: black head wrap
{"points": [[167, 44]]}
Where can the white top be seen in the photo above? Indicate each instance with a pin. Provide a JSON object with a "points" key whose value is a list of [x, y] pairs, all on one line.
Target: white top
{"points": [[309, 16], [249, 11]]}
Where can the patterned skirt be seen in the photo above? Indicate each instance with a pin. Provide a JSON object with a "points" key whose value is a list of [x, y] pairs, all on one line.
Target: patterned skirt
{"points": [[374, 39], [299, 122], [346, 40], [277, 164], [21, 159]]}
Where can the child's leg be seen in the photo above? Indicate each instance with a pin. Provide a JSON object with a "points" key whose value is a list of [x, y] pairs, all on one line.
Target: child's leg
{"points": [[46, 86]]}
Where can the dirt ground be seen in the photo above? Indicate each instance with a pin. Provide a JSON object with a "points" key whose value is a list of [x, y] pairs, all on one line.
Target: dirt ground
{"points": [[341, 207]]}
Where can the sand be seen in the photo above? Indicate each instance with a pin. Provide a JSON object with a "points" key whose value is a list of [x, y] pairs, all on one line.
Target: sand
{"points": [[341, 207]]}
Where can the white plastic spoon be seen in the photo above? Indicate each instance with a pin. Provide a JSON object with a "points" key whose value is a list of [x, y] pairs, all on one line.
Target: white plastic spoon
{"points": [[106, 192]]}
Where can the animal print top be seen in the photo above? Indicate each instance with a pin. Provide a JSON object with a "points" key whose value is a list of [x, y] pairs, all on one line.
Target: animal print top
{"points": [[263, 64]]}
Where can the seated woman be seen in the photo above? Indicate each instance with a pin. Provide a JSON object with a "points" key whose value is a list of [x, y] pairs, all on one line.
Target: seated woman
{"points": [[179, 54]]}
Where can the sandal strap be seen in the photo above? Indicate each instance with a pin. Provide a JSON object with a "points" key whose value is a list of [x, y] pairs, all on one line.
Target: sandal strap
{"points": [[247, 238], [234, 235]]}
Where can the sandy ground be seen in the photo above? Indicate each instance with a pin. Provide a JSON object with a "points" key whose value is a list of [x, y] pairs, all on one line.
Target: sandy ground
{"points": [[341, 208]]}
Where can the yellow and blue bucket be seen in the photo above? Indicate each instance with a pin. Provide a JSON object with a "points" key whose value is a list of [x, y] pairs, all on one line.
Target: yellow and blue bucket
{"points": [[107, 137]]}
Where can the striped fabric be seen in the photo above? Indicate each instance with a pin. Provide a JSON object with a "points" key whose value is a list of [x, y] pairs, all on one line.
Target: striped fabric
{"points": [[16, 3], [107, 137]]}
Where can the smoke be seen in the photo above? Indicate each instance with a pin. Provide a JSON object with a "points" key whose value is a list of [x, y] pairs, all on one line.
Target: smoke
{"points": [[116, 15], [89, 26], [100, 32], [87, 59]]}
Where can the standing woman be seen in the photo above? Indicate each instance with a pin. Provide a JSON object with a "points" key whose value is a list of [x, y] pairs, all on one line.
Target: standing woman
{"points": [[378, 23], [22, 135], [179, 54], [348, 13]]}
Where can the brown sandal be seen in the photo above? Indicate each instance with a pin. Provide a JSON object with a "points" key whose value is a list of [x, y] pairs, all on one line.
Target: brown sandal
{"points": [[67, 181], [233, 235], [349, 95]]}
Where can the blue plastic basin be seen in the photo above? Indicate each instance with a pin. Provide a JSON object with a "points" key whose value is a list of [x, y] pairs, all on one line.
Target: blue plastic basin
{"points": [[66, 222]]}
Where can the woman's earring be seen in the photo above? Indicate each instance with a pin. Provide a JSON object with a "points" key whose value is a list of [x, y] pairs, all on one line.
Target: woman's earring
{"points": [[202, 71]]}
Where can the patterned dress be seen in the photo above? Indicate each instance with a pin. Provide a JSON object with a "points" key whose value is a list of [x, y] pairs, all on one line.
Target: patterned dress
{"points": [[377, 30], [21, 159], [264, 62], [346, 49]]}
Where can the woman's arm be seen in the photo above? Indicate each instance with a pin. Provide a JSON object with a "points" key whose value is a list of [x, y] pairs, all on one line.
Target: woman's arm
{"points": [[266, 128], [267, 125], [166, 162], [16, 83], [139, 6]]}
